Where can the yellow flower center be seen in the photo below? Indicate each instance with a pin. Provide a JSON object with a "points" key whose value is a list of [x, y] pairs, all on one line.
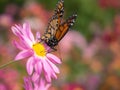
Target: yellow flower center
{"points": [[39, 49]]}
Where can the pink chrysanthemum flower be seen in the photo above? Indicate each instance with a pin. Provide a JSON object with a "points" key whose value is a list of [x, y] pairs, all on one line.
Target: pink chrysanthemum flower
{"points": [[39, 60], [40, 84]]}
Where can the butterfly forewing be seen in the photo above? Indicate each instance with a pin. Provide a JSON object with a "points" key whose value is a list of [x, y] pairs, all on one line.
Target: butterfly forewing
{"points": [[54, 22], [59, 10]]}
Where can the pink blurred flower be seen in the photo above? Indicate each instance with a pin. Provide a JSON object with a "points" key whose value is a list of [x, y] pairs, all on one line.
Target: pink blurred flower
{"points": [[92, 82], [39, 59], [91, 49], [40, 84], [9, 83], [117, 25], [3, 87], [73, 38], [39, 15], [6, 20], [73, 86], [110, 3]]}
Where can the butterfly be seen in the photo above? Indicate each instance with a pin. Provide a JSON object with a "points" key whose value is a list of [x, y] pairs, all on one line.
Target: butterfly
{"points": [[56, 29]]}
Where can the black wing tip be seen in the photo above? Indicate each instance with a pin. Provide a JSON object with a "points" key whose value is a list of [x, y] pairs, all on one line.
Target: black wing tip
{"points": [[72, 19], [61, 1], [74, 15]]}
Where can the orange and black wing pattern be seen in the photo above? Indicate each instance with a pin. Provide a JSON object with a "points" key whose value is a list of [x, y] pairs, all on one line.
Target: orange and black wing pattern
{"points": [[64, 27], [62, 30], [54, 22], [57, 30], [58, 13]]}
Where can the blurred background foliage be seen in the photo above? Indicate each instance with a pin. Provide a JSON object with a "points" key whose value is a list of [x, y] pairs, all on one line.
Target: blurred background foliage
{"points": [[90, 52], [88, 11]]}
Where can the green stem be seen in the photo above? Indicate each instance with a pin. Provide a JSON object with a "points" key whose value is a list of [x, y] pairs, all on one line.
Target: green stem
{"points": [[4, 65]]}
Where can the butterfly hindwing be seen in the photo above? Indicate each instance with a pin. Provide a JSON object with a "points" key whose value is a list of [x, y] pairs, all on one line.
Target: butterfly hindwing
{"points": [[64, 27]]}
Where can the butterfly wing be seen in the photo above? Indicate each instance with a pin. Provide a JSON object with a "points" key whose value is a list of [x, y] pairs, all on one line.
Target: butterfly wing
{"points": [[59, 11], [54, 22], [64, 27]]}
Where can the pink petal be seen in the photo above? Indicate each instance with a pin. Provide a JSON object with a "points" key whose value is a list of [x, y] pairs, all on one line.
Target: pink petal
{"points": [[18, 27], [43, 85], [16, 44], [16, 31], [47, 70], [28, 84], [38, 67], [29, 65], [53, 66], [19, 34], [27, 41], [24, 45], [26, 27], [46, 67], [22, 33], [47, 86], [23, 54], [38, 35], [53, 58], [42, 82], [54, 75], [48, 77], [35, 77]]}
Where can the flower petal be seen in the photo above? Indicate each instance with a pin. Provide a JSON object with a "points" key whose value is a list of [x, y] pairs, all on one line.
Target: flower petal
{"points": [[38, 67], [26, 27], [47, 86], [35, 77], [16, 31], [47, 70], [22, 34], [48, 77], [29, 65], [43, 85], [53, 58], [27, 41], [17, 45], [23, 54], [53, 66], [37, 37], [24, 45], [28, 83]]}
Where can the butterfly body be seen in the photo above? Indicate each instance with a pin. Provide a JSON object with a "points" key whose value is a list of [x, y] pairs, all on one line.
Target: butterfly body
{"points": [[57, 29]]}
